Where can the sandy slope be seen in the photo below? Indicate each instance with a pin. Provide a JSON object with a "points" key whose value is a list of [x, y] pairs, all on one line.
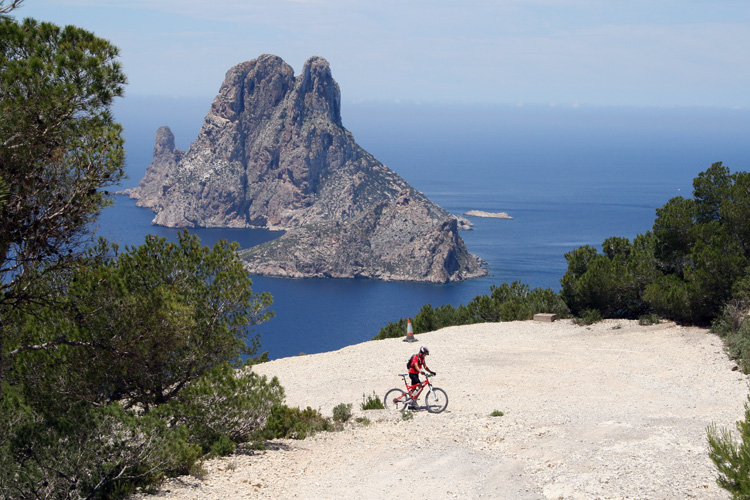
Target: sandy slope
{"points": [[610, 411]]}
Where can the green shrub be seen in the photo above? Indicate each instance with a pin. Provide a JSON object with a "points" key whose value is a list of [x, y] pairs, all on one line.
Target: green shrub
{"points": [[392, 330], [737, 345], [507, 302], [294, 423], [669, 296], [223, 446], [732, 326], [89, 452], [497, 413], [484, 309], [649, 319], [515, 310], [545, 300], [429, 318], [588, 317], [612, 282], [732, 457], [342, 412], [732, 317], [198, 471], [372, 402], [224, 404]]}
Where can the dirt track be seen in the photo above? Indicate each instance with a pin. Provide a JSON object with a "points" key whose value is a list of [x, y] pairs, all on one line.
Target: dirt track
{"points": [[611, 411]]}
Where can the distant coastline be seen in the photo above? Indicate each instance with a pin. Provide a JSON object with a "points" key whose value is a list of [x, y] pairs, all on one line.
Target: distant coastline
{"points": [[490, 215]]}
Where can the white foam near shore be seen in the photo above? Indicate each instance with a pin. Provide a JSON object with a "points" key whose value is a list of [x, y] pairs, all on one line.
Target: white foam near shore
{"points": [[614, 410]]}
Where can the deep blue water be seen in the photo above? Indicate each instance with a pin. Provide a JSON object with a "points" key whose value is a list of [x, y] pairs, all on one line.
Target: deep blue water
{"points": [[569, 177]]}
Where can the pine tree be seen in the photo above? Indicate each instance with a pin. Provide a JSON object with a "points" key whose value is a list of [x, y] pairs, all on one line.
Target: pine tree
{"points": [[59, 149]]}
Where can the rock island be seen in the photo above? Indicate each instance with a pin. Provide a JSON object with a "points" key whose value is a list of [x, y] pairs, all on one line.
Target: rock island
{"points": [[273, 153], [489, 215]]}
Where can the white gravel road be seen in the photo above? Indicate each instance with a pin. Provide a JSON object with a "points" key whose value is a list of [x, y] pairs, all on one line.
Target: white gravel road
{"points": [[611, 411]]}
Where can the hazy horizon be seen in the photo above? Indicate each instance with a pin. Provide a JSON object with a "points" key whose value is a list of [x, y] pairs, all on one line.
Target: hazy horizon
{"points": [[397, 133], [547, 52]]}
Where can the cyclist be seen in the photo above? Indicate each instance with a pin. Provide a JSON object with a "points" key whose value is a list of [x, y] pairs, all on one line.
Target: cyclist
{"points": [[416, 363]]}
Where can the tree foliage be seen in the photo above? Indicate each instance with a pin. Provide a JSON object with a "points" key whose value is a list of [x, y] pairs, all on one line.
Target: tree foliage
{"points": [[684, 269], [146, 322], [294, 423], [225, 403], [507, 302], [613, 282], [164, 314], [144, 384], [731, 456], [87, 451], [59, 149], [116, 369]]}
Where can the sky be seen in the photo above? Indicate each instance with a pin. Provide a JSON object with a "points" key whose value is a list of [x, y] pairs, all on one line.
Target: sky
{"points": [[549, 52]]}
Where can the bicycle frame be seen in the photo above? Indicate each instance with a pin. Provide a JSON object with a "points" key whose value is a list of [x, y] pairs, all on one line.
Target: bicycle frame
{"points": [[421, 386]]}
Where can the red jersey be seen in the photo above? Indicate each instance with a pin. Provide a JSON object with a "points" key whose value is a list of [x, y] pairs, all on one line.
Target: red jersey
{"points": [[416, 363]]}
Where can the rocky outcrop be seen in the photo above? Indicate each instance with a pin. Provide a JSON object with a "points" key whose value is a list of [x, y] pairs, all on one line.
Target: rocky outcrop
{"points": [[386, 242], [273, 153], [488, 215], [157, 179]]}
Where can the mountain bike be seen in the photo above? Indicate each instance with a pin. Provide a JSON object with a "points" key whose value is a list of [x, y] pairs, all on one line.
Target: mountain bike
{"points": [[435, 399]]}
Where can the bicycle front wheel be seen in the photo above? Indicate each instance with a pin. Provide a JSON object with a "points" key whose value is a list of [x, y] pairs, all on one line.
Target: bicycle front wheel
{"points": [[395, 400], [436, 400]]}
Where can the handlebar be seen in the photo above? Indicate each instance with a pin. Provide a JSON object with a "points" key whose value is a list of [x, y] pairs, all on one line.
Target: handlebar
{"points": [[426, 374]]}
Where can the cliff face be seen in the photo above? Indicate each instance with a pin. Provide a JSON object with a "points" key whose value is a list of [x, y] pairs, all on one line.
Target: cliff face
{"points": [[391, 241], [273, 153]]}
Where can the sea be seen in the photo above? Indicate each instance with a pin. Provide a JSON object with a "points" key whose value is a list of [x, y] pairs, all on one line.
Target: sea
{"points": [[568, 175]]}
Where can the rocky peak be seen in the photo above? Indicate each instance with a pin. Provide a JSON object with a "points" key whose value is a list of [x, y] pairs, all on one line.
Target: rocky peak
{"points": [[252, 90], [164, 143], [319, 93], [159, 174]]}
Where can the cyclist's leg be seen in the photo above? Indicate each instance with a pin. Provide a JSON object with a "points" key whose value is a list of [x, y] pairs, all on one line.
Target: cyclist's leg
{"points": [[415, 390], [414, 387]]}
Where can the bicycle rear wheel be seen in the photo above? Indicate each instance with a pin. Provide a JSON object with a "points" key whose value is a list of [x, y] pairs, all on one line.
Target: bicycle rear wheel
{"points": [[436, 400], [395, 400]]}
